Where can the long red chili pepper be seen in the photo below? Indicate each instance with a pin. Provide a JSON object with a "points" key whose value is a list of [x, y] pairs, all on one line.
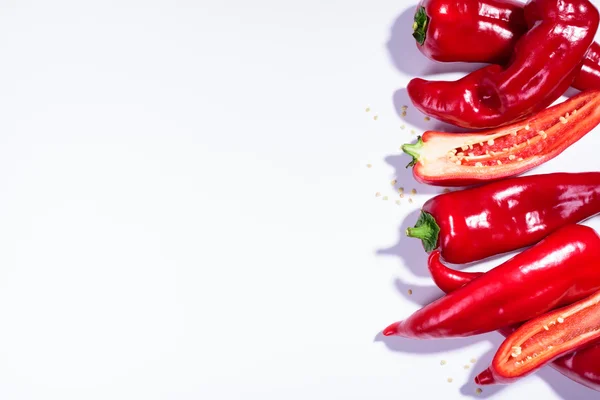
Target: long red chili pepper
{"points": [[581, 366], [544, 339], [544, 64], [483, 31], [473, 224], [561, 269], [451, 159]]}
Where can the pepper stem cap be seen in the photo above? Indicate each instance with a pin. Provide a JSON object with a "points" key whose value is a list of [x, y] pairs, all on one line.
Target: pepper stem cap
{"points": [[427, 230], [413, 150], [420, 25]]}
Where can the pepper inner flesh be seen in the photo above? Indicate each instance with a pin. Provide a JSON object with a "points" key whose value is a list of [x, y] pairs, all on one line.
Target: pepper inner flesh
{"points": [[565, 331]]}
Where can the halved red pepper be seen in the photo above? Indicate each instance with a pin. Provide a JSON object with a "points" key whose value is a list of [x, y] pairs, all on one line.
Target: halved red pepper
{"points": [[476, 223], [561, 269], [581, 365], [544, 339], [450, 159]]}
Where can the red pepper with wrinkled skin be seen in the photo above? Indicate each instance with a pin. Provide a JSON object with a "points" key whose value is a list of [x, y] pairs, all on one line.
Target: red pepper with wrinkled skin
{"points": [[487, 33], [479, 222], [461, 159], [543, 339], [468, 30], [581, 366], [561, 269], [544, 64]]}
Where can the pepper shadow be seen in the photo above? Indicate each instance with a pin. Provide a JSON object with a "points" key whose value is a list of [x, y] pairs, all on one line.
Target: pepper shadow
{"points": [[409, 250], [565, 387], [405, 56], [405, 176], [420, 295], [426, 346]]}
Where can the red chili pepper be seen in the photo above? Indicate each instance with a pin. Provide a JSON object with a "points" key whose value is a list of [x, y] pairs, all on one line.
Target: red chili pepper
{"points": [[450, 159], [581, 366], [543, 339], [468, 30], [487, 33], [544, 64], [561, 269], [476, 223]]}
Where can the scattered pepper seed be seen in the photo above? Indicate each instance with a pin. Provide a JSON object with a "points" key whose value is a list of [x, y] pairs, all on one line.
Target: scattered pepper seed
{"points": [[404, 108], [446, 190], [385, 198], [402, 127], [467, 366], [412, 132], [394, 182], [410, 292], [367, 109], [443, 362], [410, 200], [377, 194], [478, 391], [413, 191], [375, 117], [473, 360], [427, 119], [369, 165], [401, 195], [401, 189], [449, 380]]}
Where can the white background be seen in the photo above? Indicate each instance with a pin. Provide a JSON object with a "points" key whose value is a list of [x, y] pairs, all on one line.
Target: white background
{"points": [[186, 211]]}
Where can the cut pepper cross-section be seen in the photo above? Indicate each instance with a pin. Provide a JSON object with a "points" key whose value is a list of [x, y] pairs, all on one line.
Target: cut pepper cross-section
{"points": [[451, 159], [543, 339]]}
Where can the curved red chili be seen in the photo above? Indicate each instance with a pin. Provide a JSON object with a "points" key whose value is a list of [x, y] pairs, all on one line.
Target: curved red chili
{"points": [[544, 64], [451, 159], [487, 33], [479, 222], [581, 366], [543, 339], [561, 269]]}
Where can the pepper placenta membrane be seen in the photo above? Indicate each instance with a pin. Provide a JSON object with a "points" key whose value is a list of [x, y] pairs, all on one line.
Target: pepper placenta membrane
{"points": [[543, 339], [581, 366], [479, 222], [545, 62], [561, 269], [451, 159], [487, 33]]}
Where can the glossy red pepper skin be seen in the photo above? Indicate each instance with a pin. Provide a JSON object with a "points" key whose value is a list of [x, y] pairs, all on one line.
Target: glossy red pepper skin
{"points": [[487, 33], [468, 30], [461, 159], [581, 366], [543, 339], [476, 223], [544, 64], [561, 269]]}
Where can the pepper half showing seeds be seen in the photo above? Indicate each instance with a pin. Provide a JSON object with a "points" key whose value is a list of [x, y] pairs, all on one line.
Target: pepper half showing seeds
{"points": [[543, 339], [450, 159]]}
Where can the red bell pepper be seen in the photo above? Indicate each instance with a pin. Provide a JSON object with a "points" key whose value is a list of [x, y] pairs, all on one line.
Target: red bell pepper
{"points": [[486, 33], [544, 64], [581, 366], [561, 269], [450, 159], [476, 223], [544, 339]]}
